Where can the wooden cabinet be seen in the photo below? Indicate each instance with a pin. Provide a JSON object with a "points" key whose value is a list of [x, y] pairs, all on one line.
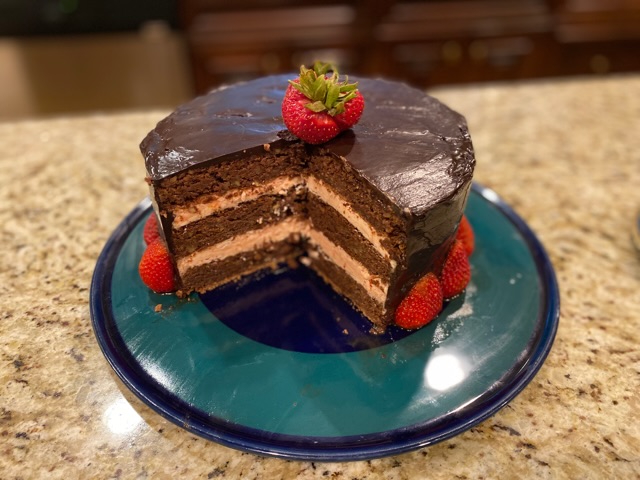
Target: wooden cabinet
{"points": [[252, 38], [424, 43]]}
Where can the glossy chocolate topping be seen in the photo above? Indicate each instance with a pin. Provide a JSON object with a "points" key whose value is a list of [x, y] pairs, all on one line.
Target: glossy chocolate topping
{"points": [[413, 148]]}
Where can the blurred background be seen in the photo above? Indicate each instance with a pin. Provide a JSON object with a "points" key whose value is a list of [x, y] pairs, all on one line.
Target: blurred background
{"points": [[60, 57]]}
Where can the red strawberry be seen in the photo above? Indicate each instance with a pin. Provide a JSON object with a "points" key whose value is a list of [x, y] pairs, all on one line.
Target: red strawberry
{"points": [[352, 112], [312, 127], [456, 272], [151, 230], [421, 305], [156, 269], [317, 106], [465, 235]]}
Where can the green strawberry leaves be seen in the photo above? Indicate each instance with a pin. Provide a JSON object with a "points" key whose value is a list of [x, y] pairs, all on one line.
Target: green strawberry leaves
{"points": [[326, 93]]}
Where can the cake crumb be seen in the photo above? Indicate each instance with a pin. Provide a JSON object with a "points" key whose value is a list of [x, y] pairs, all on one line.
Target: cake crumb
{"points": [[376, 330], [345, 331], [306, 261], [267, 147], [158, 308]]}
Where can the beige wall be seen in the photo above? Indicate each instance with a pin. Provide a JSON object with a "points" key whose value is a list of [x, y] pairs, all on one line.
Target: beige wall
{"points": [[107, 72]]}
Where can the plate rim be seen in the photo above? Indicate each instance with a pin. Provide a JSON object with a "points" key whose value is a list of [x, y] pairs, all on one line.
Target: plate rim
{"points": [[304, 448]]}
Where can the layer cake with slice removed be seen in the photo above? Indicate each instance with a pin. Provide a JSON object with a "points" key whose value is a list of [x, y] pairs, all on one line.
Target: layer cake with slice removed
{"points": [[371, 210]]}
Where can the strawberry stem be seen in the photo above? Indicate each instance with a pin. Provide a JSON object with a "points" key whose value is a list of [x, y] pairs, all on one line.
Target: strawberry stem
{"points": [[325, 92]]}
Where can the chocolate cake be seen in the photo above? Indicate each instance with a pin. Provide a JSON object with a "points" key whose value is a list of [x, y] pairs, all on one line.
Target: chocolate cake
{"points": [[371, 211]]}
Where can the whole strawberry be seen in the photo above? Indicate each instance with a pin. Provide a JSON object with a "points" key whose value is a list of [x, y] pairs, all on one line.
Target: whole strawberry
{"points": [[465, 235], [156, 269], [422, 304], [151, 230], [456, 272], [318, 106]]}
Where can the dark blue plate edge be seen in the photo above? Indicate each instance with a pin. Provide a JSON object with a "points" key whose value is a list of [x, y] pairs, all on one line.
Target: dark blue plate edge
{"points": [[362, 447]]}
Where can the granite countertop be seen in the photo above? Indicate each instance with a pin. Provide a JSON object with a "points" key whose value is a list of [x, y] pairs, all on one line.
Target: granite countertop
{"points": [[565, 154]]}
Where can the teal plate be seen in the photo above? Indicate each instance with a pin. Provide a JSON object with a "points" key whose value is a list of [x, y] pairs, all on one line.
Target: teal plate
{"points": [[277, 364]]}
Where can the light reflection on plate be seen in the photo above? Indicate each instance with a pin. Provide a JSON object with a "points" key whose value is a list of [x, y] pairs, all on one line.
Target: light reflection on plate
{"points": [[445, 370], [342, 396]]}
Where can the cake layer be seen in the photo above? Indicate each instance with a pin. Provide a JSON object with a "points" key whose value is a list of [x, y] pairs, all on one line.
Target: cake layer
{"points": [[356, 293], [207, 276], [375, 285], [206, 214], [243, 243], [385, 219], [261, 164], [224, 224], [338, 230], [345, 207], [211, 204], [294, 231]]}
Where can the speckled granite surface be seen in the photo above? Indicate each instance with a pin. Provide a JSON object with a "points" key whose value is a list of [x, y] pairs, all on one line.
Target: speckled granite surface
{"points": [[565, 155]]}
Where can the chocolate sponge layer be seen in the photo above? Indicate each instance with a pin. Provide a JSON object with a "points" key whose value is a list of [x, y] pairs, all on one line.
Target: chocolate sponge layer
{"points": [[355, 293], [225, 224], [211, 275], [337, 229], [241, 170]]}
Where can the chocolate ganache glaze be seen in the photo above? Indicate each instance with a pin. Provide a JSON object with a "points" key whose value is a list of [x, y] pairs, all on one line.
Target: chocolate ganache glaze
{"points": [[407, 144], [415, 152]]}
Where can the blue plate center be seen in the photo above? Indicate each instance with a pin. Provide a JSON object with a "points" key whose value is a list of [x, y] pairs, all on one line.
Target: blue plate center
{"points": [[294, 309]]}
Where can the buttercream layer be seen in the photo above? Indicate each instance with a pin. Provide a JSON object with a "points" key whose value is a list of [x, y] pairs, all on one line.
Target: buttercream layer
{"points": [[346, 208], [290, 230], [222, 225], [387, 224], [357, 294], [210, 204], [208, 276], [374, 284], [338, 230]]}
